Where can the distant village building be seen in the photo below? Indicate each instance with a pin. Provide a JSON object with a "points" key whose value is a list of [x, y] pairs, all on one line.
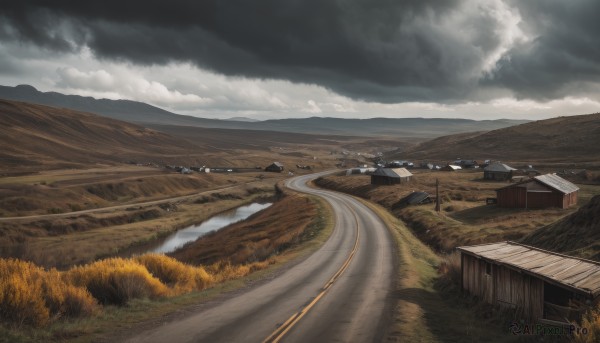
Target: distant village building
{"points": [[498, 171], [451, 167], [399, 164], [414, 198], [527, 170], [275, 167], [467, 164], [543, 286], [354, 171], [390, 176], [542, 191]]}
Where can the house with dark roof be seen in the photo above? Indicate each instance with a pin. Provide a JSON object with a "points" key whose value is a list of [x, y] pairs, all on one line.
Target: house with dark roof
{"points": [[414, 198], [498, 171], [275, 167], [543, 286], [390, 176], [542, 191]]}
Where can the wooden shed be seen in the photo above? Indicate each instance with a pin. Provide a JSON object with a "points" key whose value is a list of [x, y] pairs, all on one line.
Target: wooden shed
{"points": [[390, 176], [275, 167], [498, 171], [542, 191], [542, 285]]}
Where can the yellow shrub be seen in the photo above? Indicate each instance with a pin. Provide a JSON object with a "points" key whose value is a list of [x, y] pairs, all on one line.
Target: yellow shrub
{"points": [[117, 280], [181, 277], [224, 270], [32, 295], [21, 301]]}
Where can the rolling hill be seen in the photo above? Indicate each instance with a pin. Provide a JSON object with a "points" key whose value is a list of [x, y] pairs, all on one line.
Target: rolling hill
{"points": [[576, 234], [35, 137], [556, 140], [144, 114]]}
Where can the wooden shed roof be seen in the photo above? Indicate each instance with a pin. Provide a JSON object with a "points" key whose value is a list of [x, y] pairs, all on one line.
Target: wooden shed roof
{"points": [[573, 273]]}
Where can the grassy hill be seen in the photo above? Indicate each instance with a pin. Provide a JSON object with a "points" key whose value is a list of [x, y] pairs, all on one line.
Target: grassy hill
{"points": [[573, 138], [35, 137], [576, 234]]}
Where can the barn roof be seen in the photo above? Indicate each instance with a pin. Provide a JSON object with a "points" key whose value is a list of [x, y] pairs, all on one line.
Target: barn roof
{"points": [[277, 164], [392, 172], [498, 167], [557, 182], [574, 273]]}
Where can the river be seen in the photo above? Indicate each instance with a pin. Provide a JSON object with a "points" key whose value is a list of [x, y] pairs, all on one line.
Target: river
{"points": [[192, 233]]}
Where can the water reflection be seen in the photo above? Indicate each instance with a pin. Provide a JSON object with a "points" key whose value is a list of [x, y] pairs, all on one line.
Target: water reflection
{"points": [[192, 233]]}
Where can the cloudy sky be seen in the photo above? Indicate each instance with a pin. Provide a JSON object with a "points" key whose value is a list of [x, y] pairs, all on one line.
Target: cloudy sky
{"points": [[479, 59]]}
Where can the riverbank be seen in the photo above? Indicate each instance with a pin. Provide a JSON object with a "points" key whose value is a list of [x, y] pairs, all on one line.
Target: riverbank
{"points": [[78, 239], [140, 312]]}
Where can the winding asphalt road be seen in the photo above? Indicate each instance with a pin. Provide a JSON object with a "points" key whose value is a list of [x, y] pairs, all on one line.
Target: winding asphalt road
{"points": [[340, 293]]}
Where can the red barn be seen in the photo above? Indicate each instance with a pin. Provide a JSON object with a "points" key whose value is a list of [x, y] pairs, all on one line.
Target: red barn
{"points": [[542, 191]]}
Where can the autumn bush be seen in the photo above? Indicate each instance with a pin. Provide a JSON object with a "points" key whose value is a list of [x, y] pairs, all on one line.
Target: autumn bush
{"points": [[31, 295], [224, 270], [117, 280], [179, 276]]}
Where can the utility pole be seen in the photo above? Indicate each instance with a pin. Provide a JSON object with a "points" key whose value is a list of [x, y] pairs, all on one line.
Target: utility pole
{"points": [[437, 195]]}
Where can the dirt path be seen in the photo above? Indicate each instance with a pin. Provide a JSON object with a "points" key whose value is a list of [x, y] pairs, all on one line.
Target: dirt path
{"points": [[123, 206]]}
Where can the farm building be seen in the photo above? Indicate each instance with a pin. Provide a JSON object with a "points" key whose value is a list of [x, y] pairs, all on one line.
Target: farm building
{"points": [[542, 285], [390, 176], [450, 167], [498, 171], [542, 191], [275, 167]]}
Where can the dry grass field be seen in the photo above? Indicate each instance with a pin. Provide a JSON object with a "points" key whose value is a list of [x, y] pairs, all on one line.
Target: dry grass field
{"points": [[464, 219], [565, 141]]}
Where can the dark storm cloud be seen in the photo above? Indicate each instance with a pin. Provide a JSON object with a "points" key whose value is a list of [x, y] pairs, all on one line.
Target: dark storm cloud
{"points": [[564, 56], [389, 51]]}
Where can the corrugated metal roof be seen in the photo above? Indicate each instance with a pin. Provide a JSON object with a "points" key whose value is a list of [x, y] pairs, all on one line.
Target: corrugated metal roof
{"points": [[416, 197], [557, 182], [498, 167], [392, 172], [575, 273]]}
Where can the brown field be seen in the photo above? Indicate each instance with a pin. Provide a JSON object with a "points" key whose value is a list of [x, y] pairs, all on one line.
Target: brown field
{"points": [[464, 219]]}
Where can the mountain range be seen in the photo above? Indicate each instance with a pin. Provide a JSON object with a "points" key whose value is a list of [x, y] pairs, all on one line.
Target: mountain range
{"points": [[144, 114]]}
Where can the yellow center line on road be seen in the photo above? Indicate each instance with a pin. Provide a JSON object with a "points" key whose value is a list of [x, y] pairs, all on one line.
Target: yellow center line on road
{"points": [[281, 331]]}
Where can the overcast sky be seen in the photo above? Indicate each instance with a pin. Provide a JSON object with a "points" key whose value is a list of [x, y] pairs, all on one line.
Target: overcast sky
{"points": [[478, 59]]}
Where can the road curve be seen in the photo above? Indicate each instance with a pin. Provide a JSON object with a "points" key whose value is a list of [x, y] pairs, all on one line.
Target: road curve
{"points": [[354, 308]]}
